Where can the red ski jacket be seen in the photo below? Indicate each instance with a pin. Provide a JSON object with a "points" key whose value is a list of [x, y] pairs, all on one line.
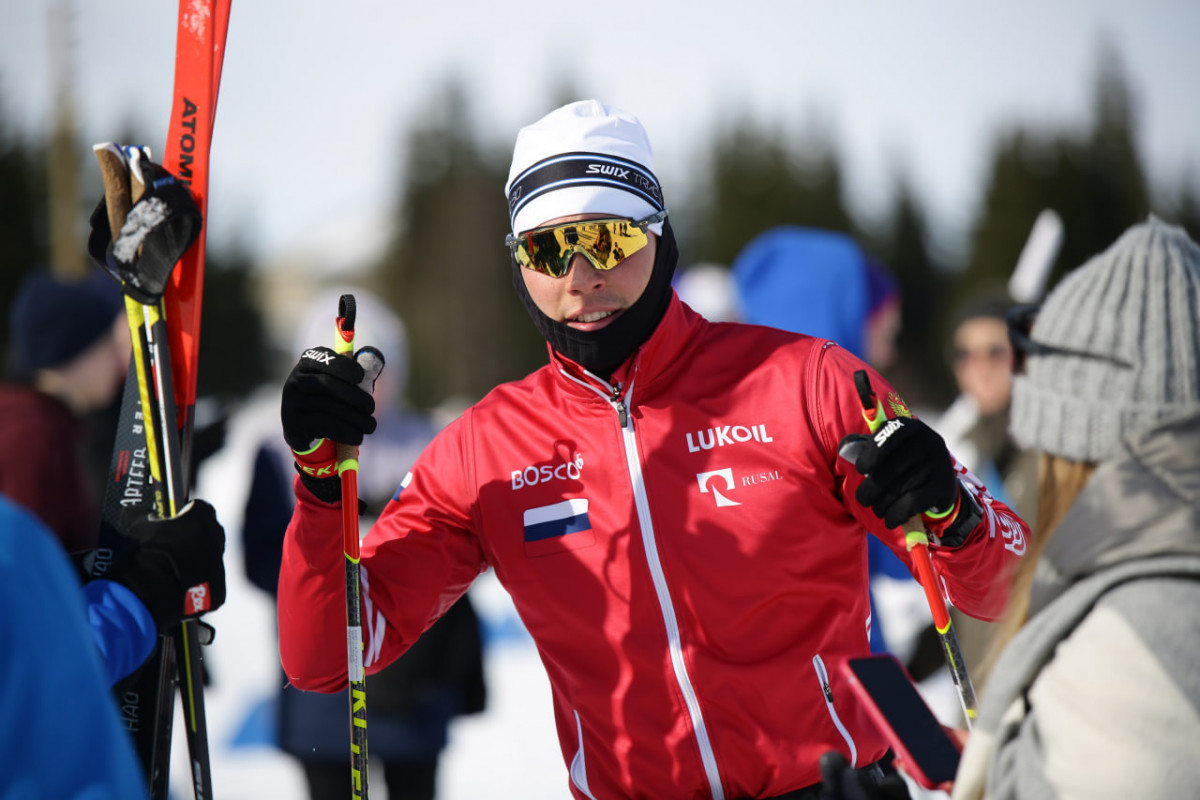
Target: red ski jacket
{"points": [[683, 546]]}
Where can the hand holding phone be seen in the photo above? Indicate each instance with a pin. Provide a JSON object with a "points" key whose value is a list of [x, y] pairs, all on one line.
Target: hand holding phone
{"points": [[929, 755]]}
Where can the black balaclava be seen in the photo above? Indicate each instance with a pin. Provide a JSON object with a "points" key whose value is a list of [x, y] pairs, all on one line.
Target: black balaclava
{"points": [[604, 350]]}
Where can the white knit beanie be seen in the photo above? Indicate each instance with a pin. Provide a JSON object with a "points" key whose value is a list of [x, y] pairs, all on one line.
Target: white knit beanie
{"points": [[582, 158], [1136, 308]]}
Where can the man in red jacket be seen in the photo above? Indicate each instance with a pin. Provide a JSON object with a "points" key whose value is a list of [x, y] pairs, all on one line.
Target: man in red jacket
{"points": [[663, 501]]}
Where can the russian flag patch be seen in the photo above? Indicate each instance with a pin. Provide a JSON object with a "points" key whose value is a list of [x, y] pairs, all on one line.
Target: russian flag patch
{"points": [[558, 528]]}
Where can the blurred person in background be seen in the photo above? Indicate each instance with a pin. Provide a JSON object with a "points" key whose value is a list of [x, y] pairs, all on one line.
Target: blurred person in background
{"points": [[976, 428], [982, 359], [1095, 691], [413, 701], [821, 283], [663, 501], [71, 348], [71, 352], [69, 355]]}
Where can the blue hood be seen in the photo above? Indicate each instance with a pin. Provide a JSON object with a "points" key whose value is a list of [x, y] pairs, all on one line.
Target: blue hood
{"points": [[810, 281]]}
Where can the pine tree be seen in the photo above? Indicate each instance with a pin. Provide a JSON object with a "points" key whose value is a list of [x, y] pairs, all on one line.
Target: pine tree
{"points": [[23, 213], [1093, 179], [761, 178], [447, 271], [233, 339], [921, 372]]}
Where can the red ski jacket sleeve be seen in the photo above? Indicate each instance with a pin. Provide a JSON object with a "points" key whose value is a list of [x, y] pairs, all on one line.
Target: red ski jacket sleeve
{"points": [[312, 588]]}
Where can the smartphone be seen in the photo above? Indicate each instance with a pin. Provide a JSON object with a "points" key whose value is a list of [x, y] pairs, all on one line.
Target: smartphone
{"points": [[930, 755]]}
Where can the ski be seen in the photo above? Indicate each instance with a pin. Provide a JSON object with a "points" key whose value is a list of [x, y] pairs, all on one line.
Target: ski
{"points": [[147, 437], [199, 54], [146, 696]]}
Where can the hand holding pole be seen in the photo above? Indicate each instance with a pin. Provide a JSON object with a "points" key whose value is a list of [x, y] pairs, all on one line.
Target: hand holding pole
{"points": [[917, 542]]}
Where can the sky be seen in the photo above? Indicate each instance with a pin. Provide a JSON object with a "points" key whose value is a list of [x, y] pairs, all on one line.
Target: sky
{"points": [[315, 102]]}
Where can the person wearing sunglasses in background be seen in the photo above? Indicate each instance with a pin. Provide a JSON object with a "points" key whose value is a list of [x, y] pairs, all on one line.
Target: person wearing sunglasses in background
{"points": [[982, 359], [664, 502], [1095, 691], [975, 427]]}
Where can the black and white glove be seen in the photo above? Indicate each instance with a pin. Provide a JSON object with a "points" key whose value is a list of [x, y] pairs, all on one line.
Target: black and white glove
{"points": [[909, 472], [174, 566], [327, 400], [155, 231]]}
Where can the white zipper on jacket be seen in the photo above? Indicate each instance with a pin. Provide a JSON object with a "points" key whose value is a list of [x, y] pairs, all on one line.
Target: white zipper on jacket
{"points": [[578, 766], [674, 641], [823, 677]]}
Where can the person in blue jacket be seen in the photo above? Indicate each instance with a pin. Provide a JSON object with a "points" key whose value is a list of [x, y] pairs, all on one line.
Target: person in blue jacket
{"points": [[65, 646], [61, 735], [823, 284], [820, 283]]}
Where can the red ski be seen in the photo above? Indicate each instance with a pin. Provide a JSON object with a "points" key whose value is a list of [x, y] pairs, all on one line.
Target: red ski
{"points": [[199, 52]]}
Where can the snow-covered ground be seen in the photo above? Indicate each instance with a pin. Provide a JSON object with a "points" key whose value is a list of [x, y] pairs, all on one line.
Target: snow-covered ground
{"points": [[508, 751]]}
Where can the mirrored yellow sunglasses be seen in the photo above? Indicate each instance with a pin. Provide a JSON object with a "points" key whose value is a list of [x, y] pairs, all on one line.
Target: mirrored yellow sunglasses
{"points": [[604, 242]]}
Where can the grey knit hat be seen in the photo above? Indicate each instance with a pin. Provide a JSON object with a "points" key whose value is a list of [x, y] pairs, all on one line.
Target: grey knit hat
{"points": [[1136, 308]]}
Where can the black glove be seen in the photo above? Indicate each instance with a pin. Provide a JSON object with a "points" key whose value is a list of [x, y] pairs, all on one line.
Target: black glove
{"points": [[157, 230], [909, 472], [327, 399], [174, 565], [839, 781]]}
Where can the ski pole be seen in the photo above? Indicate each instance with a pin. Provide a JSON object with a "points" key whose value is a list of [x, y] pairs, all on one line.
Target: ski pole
{"points": [[168, 326], [347, 466], [916, 539], [122, 170]]}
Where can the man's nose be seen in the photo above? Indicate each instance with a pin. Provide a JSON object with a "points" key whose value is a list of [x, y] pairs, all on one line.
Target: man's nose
{"points": [[583, 273]]}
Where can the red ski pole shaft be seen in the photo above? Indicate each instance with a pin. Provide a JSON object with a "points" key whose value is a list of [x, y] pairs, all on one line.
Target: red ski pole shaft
{"points": [[918, 545], [347, 461], [917, 542]]}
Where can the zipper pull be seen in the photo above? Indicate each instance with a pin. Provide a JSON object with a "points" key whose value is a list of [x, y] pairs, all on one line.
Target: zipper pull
{"points": [[622, 412]]}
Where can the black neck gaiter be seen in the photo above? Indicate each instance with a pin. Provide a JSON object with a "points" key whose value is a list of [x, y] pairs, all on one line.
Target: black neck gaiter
{"points": [[602, 351]]}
